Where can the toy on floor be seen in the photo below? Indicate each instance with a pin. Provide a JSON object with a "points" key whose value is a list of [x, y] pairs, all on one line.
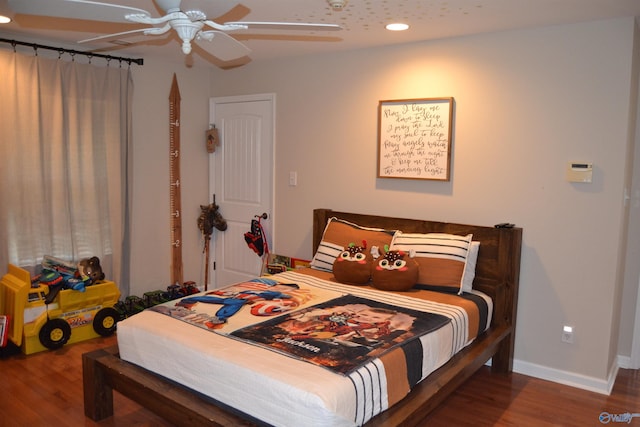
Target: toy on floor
{"points": [[134, 304], [44, 315]]}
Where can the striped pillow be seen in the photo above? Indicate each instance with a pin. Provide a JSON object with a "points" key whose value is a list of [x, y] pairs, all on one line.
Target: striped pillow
{"points": [[325, 256], [441, 258], [339, 233]]}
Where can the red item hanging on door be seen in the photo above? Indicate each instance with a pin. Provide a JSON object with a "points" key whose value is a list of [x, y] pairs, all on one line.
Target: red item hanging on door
{"points": [[256, 239]]}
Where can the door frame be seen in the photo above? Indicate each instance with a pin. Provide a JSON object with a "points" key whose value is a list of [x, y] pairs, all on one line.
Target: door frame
{"points": [[635, 343], [271, 98]]}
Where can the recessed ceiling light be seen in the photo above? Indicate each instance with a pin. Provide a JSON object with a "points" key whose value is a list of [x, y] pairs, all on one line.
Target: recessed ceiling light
{"points": [[4, 19], [397, 27]]}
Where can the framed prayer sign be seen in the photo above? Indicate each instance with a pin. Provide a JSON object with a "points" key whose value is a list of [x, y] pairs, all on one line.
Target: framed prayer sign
{"points": [[414, 138]]}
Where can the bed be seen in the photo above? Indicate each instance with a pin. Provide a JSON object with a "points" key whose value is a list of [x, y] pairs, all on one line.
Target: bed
{"points": [[496, 275]]}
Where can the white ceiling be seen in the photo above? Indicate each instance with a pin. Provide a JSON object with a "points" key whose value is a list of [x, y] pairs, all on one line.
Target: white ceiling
{"points": [[362, 21]]}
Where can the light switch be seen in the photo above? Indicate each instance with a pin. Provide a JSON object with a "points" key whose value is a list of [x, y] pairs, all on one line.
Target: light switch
{"points": [[579, 172], [293, 179]]}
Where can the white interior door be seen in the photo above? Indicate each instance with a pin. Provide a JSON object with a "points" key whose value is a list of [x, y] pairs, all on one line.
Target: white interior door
{"points": [[241, 177]]}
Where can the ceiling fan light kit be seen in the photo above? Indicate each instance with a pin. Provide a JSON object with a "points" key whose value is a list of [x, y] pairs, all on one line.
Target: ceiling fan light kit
{"points": [[188, 23]]}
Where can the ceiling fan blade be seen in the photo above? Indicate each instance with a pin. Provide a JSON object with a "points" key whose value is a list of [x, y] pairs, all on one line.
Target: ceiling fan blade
{"points": [[77, 9], [222, 45], [286, 26], [152, 31]]}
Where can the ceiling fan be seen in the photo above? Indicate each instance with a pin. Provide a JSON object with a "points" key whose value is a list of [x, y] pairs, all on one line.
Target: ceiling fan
{"points": [[192, 22]]}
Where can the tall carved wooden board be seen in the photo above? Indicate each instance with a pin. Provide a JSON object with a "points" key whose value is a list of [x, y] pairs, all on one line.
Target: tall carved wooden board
{"points": [[174, 183]]}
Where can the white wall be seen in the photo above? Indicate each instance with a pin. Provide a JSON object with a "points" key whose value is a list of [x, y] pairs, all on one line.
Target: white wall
{"points": [[527, 102]]}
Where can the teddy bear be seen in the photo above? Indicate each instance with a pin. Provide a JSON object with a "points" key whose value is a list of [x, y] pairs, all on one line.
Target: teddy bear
{"points": [[91, 268]]}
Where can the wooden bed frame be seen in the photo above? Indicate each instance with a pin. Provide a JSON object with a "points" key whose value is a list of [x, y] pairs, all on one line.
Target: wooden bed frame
{"points": [[497, 274]]}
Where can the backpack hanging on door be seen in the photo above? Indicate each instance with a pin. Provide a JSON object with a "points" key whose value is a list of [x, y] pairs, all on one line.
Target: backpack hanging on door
{"points": [[256, 238]]}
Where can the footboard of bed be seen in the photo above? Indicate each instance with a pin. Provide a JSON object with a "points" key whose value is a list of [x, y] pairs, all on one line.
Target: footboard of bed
{"points": [[103, 371]]}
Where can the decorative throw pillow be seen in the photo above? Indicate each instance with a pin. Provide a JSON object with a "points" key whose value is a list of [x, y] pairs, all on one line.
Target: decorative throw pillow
{"points": [[353, 265], [338, 234], [396, 271], [441, 258]]}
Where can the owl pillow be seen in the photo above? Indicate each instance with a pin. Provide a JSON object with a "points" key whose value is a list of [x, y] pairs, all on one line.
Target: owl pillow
{"points": [[353, 265], [395, 271]]}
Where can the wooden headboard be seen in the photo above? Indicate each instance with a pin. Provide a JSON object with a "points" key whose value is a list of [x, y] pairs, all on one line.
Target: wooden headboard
{"points": [[497, 269]]}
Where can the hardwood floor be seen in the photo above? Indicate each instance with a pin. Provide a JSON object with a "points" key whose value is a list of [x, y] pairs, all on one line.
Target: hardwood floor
{"points": [[45, 389], [518, 400]]}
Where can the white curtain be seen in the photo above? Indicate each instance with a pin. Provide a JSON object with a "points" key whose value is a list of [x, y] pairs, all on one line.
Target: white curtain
{"points": [[65, 133]]}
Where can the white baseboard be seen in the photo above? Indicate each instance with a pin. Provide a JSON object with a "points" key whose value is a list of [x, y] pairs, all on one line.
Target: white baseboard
{"points": [[567, 378]]}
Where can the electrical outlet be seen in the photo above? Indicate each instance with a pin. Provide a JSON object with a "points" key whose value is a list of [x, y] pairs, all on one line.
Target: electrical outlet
{"points": [[567, 334]]}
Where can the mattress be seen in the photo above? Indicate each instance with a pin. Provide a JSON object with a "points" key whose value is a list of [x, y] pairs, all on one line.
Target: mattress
{"points": [[280, 390]]}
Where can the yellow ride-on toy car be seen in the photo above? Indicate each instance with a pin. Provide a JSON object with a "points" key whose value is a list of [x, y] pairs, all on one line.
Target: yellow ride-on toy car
{"points": [[40, 319]]}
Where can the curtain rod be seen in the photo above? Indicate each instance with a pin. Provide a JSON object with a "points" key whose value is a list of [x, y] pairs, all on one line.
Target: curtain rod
{"points": [[72, 52]]}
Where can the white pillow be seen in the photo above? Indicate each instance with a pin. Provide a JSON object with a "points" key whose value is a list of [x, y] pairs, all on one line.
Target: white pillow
{"points": [[470, 268]]}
